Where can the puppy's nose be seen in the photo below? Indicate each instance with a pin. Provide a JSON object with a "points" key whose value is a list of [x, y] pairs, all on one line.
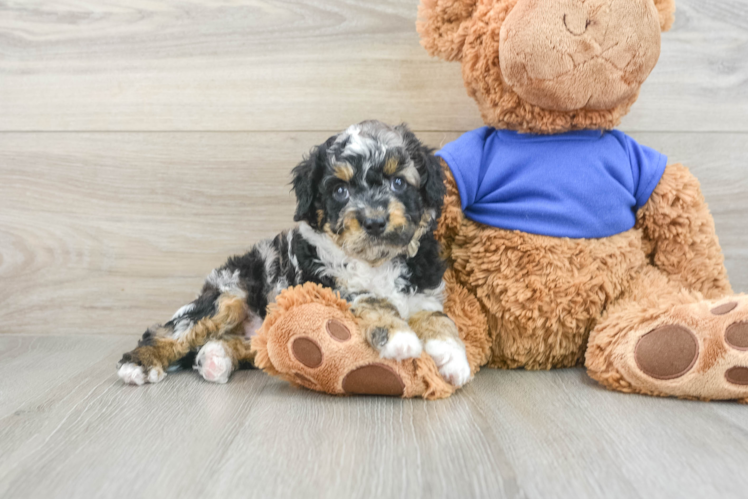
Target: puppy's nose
{"points": [[375, 226]]}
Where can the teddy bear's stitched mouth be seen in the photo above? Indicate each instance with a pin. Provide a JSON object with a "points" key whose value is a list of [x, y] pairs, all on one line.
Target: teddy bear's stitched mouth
{"points": [[577, 67]]}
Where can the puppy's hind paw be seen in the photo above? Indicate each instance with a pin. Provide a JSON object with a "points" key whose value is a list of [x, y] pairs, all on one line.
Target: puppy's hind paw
{"points": [[214, 363], [133, 374], [402, 345], [451, 360]]}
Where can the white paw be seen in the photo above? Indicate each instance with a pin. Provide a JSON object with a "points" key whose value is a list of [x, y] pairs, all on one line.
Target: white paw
{"points": [[156, 375], [402, 345], [214, 363], [133, 374], [451, 359]]}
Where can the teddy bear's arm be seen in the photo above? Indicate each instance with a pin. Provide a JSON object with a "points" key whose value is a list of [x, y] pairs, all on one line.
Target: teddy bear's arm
{"points": [[680, 236]]}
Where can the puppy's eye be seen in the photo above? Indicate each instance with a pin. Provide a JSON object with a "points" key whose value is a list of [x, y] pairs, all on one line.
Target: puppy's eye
{"points": [[398, 184], [341, 194]]}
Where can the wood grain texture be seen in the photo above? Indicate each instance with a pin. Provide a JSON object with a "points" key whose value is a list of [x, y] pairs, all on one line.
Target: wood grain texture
{"points": [[106, 228], [258, 65], [107, 233], [75, 430]]}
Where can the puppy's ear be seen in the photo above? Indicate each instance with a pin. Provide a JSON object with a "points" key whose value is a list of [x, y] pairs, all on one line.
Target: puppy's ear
{"points": [[306, 178], [429, 168], [443, 26]]}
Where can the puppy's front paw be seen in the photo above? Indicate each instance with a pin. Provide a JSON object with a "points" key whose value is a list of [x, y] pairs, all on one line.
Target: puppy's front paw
{"points": [[402, 344], [451, 360], [133, 374]]}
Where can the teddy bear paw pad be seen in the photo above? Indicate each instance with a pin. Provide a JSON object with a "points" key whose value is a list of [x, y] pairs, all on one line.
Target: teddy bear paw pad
{"points": [[737, 375], [375, 379], [737, 336], [667, 353], [307, 352], [338, 330], [700, 352]]}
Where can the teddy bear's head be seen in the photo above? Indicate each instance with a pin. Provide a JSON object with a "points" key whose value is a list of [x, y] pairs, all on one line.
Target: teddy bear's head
{"points": [[549, 66]]}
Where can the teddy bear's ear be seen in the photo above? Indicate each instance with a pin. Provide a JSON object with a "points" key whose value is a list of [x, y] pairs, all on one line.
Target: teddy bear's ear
{"points": [[666, 8], [443, 25]]}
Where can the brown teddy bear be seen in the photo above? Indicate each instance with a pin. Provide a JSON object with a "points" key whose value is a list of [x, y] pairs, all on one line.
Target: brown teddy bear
{"points": [[568, 242]]}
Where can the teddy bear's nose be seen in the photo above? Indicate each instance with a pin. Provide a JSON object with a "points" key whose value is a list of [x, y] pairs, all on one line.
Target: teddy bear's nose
{"points": [[577, 22]]}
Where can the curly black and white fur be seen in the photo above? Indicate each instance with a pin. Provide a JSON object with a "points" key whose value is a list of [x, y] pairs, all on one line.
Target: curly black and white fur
{"points": [[367, 204]]}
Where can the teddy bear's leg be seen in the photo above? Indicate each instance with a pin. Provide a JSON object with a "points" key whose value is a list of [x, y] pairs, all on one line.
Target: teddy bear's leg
{"points": [[667, 341], [679, 235], [311, 338]]}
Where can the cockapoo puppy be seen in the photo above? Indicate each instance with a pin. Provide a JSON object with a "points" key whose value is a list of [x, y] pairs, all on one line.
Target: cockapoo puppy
{"points": [[368, 200]]}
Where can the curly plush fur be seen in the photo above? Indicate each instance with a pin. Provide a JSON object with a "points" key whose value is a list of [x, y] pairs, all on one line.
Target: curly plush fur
{"points": [[648, 311], [306, 312]]}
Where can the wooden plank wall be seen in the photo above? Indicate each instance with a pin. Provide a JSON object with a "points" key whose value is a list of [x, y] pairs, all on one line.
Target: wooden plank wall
{"points": [[142, 141]]}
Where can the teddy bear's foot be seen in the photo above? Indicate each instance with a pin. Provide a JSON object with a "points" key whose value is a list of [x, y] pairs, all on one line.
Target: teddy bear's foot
{"points": [[311, 339], [695, 351]]}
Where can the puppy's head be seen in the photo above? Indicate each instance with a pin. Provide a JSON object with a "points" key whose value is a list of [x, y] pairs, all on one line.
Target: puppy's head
{"points": [[375, 190]]}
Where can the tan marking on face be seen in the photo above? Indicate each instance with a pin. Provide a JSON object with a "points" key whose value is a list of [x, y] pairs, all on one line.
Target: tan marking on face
{"points": [[397, 219], [344, 172], [391, 166], [354, 241], [430, 325], [351, 237], [320, 217]]}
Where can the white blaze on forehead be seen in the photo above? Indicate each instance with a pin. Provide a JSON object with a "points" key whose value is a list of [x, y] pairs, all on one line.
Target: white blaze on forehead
{"points": [[369, 141]]}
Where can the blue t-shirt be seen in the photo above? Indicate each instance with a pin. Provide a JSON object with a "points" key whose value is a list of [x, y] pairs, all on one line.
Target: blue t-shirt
{"points": [[586, 184]]}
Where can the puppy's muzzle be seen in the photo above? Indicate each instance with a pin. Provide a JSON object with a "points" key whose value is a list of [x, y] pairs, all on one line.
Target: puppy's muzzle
{"points": [[375, 226]]}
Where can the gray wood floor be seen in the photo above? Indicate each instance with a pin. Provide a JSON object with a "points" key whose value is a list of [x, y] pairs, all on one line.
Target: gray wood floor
{"points": [[68, 427], [141, 142]]}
